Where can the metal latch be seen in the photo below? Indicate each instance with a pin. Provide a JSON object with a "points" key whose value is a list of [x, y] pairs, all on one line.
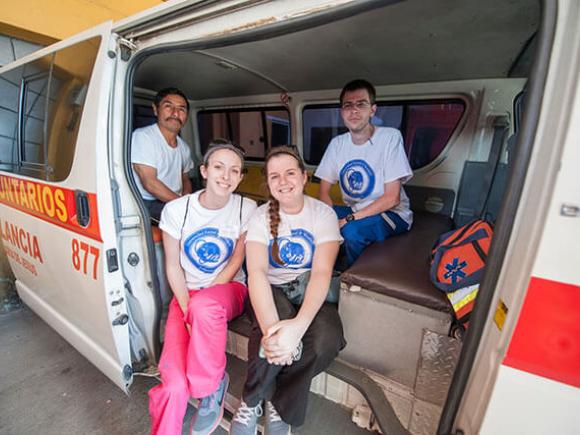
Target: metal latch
{"points": [[121, 320], [130, 222], [570, 210]]}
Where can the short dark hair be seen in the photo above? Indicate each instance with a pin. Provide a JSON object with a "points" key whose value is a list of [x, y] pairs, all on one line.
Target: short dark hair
{"points": [[169, 91], [357, 84]]}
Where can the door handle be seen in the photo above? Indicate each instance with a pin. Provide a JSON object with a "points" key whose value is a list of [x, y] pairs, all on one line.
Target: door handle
{"points": [[82, 208]]}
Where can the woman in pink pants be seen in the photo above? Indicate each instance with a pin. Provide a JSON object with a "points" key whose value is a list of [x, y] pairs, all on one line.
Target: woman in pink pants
{"points": [[203, 239]]}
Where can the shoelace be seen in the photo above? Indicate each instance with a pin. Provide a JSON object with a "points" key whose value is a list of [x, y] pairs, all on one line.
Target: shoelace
{"points": [[273, 415], [245, 413]]}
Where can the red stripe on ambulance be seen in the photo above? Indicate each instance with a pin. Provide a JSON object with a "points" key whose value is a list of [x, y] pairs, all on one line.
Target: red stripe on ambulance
{"points": [[546, 340], [52, 204]]}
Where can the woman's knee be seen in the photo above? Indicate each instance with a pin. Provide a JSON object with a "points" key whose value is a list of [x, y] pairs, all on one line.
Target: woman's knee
{"points": [[176, 388], [326, 335], [202, 308]]}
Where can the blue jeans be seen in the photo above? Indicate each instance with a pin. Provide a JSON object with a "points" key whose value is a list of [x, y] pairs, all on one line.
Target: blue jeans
{"points": [[360, 233]]}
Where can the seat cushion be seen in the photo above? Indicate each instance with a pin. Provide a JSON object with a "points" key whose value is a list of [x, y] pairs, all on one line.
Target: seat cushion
{"points": [[399, 266]]}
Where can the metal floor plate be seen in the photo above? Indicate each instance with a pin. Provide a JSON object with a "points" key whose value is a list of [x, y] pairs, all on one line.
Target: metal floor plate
{"points": [[439, 355], [424, 418]]}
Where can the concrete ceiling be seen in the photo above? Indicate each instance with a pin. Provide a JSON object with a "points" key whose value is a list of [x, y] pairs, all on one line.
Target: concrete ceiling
{"points": [[411, 41]]}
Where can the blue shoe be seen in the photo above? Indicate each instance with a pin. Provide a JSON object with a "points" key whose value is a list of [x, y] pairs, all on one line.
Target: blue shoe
{"points": [[210, 410]]}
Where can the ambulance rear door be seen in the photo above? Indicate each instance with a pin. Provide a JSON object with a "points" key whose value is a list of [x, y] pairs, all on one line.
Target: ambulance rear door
{"points": [[56, 205]]}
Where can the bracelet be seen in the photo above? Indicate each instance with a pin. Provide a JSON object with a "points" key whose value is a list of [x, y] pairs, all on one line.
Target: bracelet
{"points": [[297, 354]]}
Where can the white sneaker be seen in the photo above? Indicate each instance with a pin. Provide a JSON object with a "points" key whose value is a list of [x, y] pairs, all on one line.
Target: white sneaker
{"points": [[274, 424]]}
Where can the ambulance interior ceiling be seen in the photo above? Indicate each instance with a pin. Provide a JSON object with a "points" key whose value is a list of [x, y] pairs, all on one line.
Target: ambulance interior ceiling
{"points": [[408, 42]]}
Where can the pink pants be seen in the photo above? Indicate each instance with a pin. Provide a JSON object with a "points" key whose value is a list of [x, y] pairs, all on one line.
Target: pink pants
{"points": [[193, 365]]}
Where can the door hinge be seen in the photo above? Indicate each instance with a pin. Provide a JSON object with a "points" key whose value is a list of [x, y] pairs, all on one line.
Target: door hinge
{"points": [[121, 320], [127, 47], [127, 372]]}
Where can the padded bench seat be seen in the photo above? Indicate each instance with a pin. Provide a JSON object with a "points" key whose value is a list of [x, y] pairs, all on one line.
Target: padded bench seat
{"points": [[399, 266], [395, 303]]}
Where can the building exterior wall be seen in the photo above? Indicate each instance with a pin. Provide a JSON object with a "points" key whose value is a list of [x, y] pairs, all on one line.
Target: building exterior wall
{"points": [[46, 21]]}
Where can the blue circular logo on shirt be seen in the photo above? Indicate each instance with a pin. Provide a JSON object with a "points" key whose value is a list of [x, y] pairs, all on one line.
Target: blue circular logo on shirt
{"points": [[207, 250], [296, 251], [357, 179]]}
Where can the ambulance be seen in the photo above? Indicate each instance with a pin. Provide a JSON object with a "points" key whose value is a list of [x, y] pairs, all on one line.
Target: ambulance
{"points": [[487, 98]]}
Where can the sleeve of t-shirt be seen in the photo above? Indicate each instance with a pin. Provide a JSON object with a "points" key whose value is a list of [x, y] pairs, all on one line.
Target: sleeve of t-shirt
{"points": [[258, 228], [396, 165], [326, 226], [327, 168], [142, 149], [172, 217], [248, 209], [187, 162]]}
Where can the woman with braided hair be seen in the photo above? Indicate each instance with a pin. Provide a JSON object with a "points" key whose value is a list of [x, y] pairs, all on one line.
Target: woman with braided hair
{"points": [[291, 246]]}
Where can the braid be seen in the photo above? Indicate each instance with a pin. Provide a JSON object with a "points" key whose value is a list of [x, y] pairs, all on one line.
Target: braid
{"points": [[274, 213], [274, 205]]}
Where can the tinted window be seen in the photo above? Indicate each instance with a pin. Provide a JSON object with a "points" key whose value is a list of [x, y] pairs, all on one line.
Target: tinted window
{"points": [[40, 111], [143, 115], [34, 89], [426, 127], [255, 130]]}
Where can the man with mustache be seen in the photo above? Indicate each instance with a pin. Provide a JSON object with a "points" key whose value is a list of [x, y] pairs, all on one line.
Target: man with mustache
{"points": [[161, 159], [370, 164]]}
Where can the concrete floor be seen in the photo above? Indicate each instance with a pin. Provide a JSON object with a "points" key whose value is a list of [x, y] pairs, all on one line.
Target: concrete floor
{"points": [[48, 388]]}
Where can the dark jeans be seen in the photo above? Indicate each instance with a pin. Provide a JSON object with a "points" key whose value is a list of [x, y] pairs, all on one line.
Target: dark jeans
{"points": [[288, 386], [360, 233], [155, 207]]}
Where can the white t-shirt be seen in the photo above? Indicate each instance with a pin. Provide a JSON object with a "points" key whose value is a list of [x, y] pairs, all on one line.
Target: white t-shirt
{"points": [[149, 147], [298, 236], [207, 237], [363, 170]]}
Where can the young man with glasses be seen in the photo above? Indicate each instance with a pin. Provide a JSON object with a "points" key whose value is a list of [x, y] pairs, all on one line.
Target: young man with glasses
{"points": [[370, 165]]}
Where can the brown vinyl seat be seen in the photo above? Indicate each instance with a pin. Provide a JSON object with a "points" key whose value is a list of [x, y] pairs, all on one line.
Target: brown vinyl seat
{"points": [[399, 266]]}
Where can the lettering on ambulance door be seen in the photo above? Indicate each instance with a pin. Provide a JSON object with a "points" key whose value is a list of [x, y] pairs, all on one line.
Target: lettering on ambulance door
{"points": [[56, 213]]}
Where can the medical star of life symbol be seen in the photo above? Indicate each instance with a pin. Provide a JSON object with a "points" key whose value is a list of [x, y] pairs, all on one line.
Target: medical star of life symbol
{"points": [[454, 270]]}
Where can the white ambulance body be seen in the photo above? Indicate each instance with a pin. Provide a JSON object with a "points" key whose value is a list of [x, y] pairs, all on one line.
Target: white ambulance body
{"points": [[76, 234]]}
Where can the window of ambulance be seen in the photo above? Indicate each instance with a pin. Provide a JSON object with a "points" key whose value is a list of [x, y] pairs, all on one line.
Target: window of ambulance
{"points": [[143, 115], [426, 127], [40, 110], [256, 130]]}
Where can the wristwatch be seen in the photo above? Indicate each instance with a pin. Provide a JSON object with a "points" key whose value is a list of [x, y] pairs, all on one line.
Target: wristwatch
{"points": [[349, 217]]}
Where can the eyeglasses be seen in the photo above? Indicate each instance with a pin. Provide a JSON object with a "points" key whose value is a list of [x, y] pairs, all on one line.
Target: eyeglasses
{"points": [[359, 105]]}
